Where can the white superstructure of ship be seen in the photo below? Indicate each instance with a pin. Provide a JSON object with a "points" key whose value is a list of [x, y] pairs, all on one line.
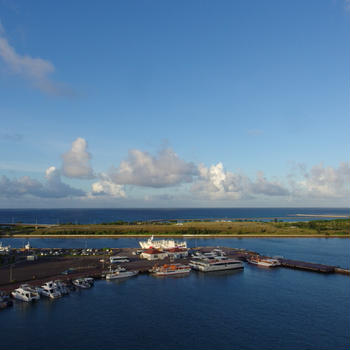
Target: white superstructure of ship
{"points": [[162, 244]]}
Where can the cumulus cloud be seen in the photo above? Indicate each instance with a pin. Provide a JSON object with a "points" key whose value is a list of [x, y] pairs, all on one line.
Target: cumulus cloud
{"points": [[216, 183], [76, 162], [106, 187], [322, 182], [35, 70], [163, 170], [26, 186]]}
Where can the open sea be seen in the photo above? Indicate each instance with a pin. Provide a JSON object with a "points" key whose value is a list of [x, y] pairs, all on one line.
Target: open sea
{"points": [[256, 308]]}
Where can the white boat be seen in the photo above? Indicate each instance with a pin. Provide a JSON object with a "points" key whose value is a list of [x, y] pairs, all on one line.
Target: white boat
{"points": [[24, 295], [162, 244], [89, 280], [118, 259], [120, 273], [35, 291], [4, 249], [173, 269], [50, 290], [81, 283], [61, 287], [266, 262], [216, 264]]}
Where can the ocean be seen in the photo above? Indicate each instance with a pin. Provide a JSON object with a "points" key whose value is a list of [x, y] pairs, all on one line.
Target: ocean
{"points": [[95, 216], [256, 308]]}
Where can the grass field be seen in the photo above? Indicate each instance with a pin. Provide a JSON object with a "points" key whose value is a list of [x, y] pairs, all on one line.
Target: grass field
{"points": [[339, 227]]}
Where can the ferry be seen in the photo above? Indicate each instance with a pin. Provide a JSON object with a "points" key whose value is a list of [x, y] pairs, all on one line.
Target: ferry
{"points": [[162, 244], [216, 264], [174, 269], [121, 272], [266, 262]]}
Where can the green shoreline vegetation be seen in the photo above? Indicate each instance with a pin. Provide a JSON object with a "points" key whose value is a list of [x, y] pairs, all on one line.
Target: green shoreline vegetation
{"points": [[328, 228]]}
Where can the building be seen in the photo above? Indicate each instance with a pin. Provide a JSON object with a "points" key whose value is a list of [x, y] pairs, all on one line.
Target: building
{"points": [[177, 252], [153, 254]]}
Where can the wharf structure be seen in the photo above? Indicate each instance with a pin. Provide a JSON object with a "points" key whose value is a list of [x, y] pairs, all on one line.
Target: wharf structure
{"points": [[68, 264]]}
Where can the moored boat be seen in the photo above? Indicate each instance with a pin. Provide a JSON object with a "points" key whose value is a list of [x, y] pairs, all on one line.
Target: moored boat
{"points": [[120, 272], [82, 283], [173, 269], [50, 290], [216, 264], [23, 295], [266, 262]]}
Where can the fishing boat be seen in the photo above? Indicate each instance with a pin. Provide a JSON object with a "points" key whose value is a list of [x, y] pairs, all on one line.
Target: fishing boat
{"points": [[173, 269], [162, 244], [266, 262]]}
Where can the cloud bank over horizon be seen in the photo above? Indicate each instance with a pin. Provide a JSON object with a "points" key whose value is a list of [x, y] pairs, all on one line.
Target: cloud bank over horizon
{"points": [[166, 171]]}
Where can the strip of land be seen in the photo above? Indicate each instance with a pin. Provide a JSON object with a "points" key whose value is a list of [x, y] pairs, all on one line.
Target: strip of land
{"points": [[198, 228]]}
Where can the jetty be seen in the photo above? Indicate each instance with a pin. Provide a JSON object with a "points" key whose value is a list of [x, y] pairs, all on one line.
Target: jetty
{"points": [[40, 265]]}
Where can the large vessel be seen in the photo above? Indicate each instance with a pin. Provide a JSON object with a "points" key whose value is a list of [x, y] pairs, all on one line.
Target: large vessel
{"points": [[214, 264], [162, 244], [173, 269], [120, 272], [267, 262]]}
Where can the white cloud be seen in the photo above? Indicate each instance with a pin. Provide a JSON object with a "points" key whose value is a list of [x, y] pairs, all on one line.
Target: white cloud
{"points": [[164, 170], [76, 162], [322, 182], [106, 187], [26, 186], [215, 183], [35, 70]]}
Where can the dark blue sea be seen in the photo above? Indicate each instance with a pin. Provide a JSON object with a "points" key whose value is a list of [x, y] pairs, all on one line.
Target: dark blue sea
{"points": [[95, 216], [256, 308]]}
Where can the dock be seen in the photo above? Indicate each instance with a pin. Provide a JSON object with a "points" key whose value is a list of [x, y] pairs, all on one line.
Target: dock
{"points": [[18, 269]]}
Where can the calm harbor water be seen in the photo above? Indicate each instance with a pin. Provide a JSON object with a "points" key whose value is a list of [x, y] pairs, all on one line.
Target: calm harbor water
{"points": [[256, 308]]}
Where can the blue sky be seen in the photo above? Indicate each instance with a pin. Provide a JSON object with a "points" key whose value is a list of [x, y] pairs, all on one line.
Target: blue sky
{"points": [[174, 103]]}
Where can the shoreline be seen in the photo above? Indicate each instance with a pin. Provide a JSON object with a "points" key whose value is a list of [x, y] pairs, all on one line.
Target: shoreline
{"points": [[183, 236]]}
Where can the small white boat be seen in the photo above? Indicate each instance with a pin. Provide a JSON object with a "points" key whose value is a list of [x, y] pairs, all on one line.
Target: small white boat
{"points": [[24, 295], [173, 269], [266, 262], [4, 249], [61, 287], [35, 291], [81, 283], [120, 273], [50, 290]]}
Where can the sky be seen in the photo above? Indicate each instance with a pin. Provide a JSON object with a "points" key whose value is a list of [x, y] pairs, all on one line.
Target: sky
{"points": [[186, 103]]}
